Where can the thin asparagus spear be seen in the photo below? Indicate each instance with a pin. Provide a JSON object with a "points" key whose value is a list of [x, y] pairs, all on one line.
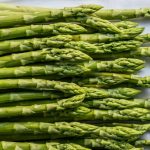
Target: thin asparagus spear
{"points": [[18, 111], [52, 14], [6, 145], [38, 130], [139, 52], [85, 114], [142, 143], [96, 23], [104, 143], [112, 103], [123, 93], [41, 30], [126, 24], [122, 14], [110, 79], [41, 84], [44, 55]]}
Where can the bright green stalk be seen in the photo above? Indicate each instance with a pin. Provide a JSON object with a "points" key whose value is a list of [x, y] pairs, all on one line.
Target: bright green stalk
{"points": [[126, 93], [96, 23], [12, 97], [112, 103], [103, 143], [139, 52], [41, 84], [119, 65], [19, 111], [52, 14], [142, 143], [105, 38], [38, 130], [61, 70], [44, 55], [41, 30], [85, 114], [6, 145], [122, 14], [126, 24], [144, 38], [111, 79], [104, 48]]}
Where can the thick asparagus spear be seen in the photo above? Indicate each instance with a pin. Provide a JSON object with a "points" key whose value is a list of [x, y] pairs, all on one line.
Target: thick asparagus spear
{"points": [[6, 145], [139, 52], [112, 103], [126, 24], [44, 55], [85, 114], [123, 93], [110, 79], [22, 19], [142, 143], [18, 111], [41, 30], [122, 14], [38, 130], [41, 84], [104, 143]]}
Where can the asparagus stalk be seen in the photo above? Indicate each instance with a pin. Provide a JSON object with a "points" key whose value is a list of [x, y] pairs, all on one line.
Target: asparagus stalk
{"points": [[84, 114], [110, 79], [104, 143], [139, 52], [96, 23], [123, 93], [41, 84], [6, 145], [38, 130], [142, 143], [144, 38], [112, 103], [126, 24], [41, 30], [52, 14], [122, 14], [44, 55], [18, 111]]}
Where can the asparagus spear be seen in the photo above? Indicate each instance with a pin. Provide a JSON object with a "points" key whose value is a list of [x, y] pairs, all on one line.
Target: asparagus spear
{"points": [[123, 93], [41, 84], [112, 103], [144, 38], [41, 30], [38, 130], [6, 145], [110, 79], [96, 23], [126, 24], [52, 14], [139, 52], [44, 55], [142, 143], [85, 114], [18, 111], [122, 14], [103, 143]]}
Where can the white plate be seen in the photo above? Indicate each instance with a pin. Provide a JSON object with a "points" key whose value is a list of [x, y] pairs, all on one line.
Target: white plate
{"points": [[106, 4]]}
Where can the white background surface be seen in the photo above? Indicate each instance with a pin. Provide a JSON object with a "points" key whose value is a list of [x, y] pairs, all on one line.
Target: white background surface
{"points": [[106, 4]]}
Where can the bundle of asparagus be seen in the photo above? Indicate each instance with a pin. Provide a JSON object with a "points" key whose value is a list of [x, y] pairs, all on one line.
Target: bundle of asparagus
{"points": [[56, 67]]}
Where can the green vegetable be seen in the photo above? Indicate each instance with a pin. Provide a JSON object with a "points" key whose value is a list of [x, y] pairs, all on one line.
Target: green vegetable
{"points": [[142, 143], [41, 84], [41, 30], [85, 114], [144, 38], [139, 52], [112, 103], [37, 130], [52, 14], [110, 79], [122, 14], [126, 24], [6, 145], [44, 55], [17, 111]]}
